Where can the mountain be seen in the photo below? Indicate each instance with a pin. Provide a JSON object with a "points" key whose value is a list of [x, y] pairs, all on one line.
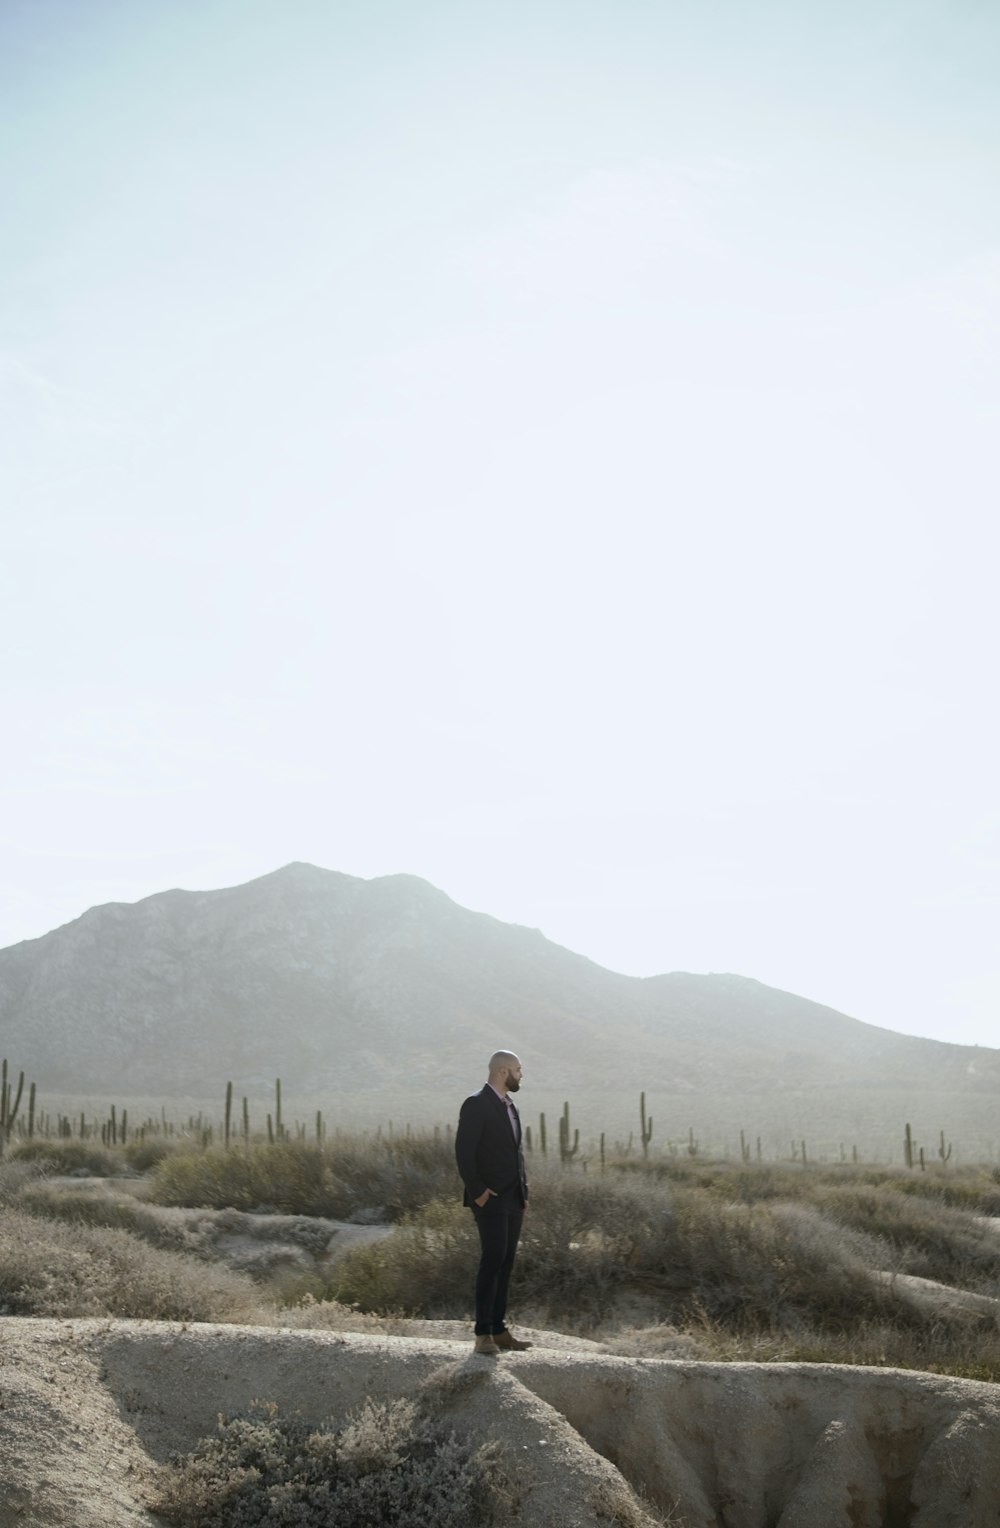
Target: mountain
{"points": [[359, 988]]}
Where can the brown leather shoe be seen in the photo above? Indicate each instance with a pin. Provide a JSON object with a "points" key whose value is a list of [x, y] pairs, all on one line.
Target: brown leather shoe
{"points": [[486, 1345], [509, 1343]]}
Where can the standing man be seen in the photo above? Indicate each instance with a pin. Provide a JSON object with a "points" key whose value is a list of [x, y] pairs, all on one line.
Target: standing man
{"points": [[490, 1155]]}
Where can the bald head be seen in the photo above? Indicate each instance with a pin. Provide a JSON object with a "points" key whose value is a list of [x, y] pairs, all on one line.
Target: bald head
{"points": [[505, 1071]]}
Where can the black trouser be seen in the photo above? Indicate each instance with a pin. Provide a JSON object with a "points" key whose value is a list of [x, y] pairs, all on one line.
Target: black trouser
{"points": [[499, 1230]]}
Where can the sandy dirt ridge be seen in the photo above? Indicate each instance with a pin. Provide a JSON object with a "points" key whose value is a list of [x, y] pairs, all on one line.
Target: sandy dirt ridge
{"points": [[88, 1410]]}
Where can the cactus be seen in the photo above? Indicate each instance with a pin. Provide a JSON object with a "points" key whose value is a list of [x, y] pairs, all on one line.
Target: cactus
{"points": [[31, 1111], [854, 1154], [527, 1138], [542, 1143], [270, 1131], [278, 1127], [8, 1108], [803, 1145], [319, 1127], [124, 1129], [246, 1122], [229, 1115], [744, 1147], [908, 1147], [692, 1143], [602, 1151], [566, 1151], [760, 1153], [942, 1153], [646, 1127], [923, 1165]]}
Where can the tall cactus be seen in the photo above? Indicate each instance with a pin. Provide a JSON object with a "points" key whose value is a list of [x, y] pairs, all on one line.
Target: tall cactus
{"points": [[646, 1126], [566, 1151], [942, 1153], [543, 1145], [8, 1107], [229, 1115], [908, 1147], [278, 1127]]}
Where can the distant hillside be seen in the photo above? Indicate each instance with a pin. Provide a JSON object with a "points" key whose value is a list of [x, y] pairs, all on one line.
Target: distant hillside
{"points": [[358, 987]]}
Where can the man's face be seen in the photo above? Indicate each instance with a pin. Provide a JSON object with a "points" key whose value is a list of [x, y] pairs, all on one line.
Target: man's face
{"points": [[514, 1077]]}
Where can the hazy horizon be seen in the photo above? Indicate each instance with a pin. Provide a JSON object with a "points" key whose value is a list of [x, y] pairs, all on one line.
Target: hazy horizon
{"points": [[549, 455]]}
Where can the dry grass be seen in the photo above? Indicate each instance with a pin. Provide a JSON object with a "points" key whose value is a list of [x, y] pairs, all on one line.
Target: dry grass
{"points": [[714, 1259]]}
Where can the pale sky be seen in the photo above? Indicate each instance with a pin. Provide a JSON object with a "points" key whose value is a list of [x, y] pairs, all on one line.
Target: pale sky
{"points": [[548, 449]]}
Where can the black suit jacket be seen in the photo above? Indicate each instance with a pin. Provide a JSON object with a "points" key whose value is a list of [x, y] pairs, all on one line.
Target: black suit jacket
{"points": [[487, 1153]]}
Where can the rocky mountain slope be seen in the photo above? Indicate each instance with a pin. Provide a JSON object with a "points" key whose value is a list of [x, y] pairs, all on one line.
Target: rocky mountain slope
{"points": [[337, 983]]}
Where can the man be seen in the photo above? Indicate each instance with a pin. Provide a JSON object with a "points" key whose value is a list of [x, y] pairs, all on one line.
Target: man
{"points": [[490, 1155]]}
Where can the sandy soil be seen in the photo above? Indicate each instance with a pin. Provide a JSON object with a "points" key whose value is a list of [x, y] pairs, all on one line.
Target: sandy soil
{"points": [[88, 1409]]}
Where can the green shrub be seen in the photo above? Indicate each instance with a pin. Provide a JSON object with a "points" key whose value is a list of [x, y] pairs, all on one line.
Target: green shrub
{"points": [[387, 1466]]}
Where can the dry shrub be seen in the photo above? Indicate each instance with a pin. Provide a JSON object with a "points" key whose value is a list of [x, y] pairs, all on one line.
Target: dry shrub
{"points": [[92, 1205], [424, 1268], [590, 1245], [926, 1237], [144, 1153], [291, 1177], [385, 1178], [387, 1466], [71, 1156], [51, 1269]]}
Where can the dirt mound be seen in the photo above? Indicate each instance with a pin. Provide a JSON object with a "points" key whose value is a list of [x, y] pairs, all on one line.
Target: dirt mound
{"points": [[89, 1408]]}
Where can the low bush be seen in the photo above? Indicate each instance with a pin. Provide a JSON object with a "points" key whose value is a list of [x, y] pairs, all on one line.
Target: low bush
{"points": [[290, 1177], [924, 1237], [91, 1205], [385, 1178], [387, 1466], [423, 1269], [71, 1156], [144, 1153], [48, 1268], [590, 1243]]}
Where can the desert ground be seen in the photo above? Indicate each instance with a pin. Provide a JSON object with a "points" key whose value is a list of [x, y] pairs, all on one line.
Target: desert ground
{"points": [[624, 1418], [89, 1410]]}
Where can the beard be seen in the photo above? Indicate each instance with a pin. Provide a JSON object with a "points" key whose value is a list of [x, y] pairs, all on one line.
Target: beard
{"points": [[513, 1084]]}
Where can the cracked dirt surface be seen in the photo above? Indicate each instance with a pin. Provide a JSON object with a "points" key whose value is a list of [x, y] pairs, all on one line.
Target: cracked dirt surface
{"points": [[88, 1409]]}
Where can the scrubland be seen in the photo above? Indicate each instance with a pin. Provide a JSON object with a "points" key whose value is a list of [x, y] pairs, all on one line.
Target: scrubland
{"points": [[660, 1256]]}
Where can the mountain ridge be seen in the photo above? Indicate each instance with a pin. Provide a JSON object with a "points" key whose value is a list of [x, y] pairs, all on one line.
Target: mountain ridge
{"points": [[317, 976]]}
